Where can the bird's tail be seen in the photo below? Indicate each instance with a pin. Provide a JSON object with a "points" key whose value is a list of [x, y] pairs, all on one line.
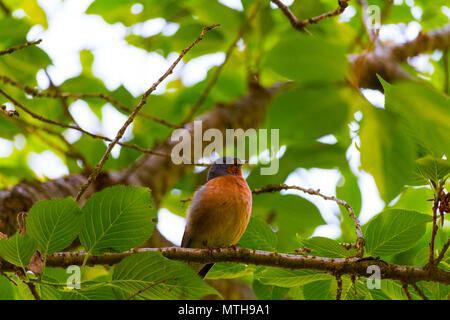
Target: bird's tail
{"points": [[202, 273]]}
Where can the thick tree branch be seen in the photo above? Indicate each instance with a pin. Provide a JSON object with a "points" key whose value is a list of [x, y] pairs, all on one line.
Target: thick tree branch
{"points": [[385, 59], [333, 266], [159, 173], [154, 171]]}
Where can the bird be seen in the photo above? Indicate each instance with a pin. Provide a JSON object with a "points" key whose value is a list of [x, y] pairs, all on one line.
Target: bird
{"points": [[220, 210]]}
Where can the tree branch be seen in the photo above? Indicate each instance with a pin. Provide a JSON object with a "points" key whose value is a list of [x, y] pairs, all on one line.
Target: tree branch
{"points": [[301, 24], [333, 266], [4, 8], [419, 291], [135, 111], [385, 59], [156, 171], [434, 229], [406, 290], [78, 128], [442, 252], [64, 95], [19, 47], [217, 71], [339, 287], [33, 290], [360, 239]]}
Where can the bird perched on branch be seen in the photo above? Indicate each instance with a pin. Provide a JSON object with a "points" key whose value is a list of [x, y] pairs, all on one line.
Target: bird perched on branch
{"points": [[220, 210]]}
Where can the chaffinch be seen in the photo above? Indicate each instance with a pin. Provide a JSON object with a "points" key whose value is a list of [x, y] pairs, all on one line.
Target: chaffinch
{"points": [[220, 210]]}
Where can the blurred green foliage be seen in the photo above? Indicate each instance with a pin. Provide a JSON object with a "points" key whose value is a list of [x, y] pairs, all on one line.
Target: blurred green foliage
{"points": [[401, 145]]}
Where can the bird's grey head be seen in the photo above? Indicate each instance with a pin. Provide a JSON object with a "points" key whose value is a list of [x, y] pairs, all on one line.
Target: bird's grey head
{"points": [[226, 166]]}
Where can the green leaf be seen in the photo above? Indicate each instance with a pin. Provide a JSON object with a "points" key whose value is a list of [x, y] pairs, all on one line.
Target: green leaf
{"points": [[326, 247], [99, 291], [394, 291], [286, 211], [318, 290], [424, 113], [304, 58], [431, 168], [54, 224], [356, 291], [117, 219], [7, 289], [415, 199], [299, 113], [438, 291], [289, 278], [48, 292], [267, 292], [394, 231], [142, 272], [258, 235], [113, 11], [386, 152], [34, 13], [225, 270], [18, 249]]}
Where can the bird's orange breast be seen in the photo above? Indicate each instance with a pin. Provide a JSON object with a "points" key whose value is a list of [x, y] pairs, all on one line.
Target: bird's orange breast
{"points": [[219, 213]]}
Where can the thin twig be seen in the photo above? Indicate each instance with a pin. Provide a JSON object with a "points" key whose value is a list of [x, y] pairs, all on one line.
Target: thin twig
{"points": [[65, 95], [39, 117], [419, 291], [92, 135], [348, 246], [301, 24], [406, 290], [130, 119], [339, 287], [217, 71], [9, 278], [72, 152], [76, 127], [5, 8], [360, 239], [433, 233], [33, 290], [55, 89], [26, 44], [442, 253], [364, 8]]}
